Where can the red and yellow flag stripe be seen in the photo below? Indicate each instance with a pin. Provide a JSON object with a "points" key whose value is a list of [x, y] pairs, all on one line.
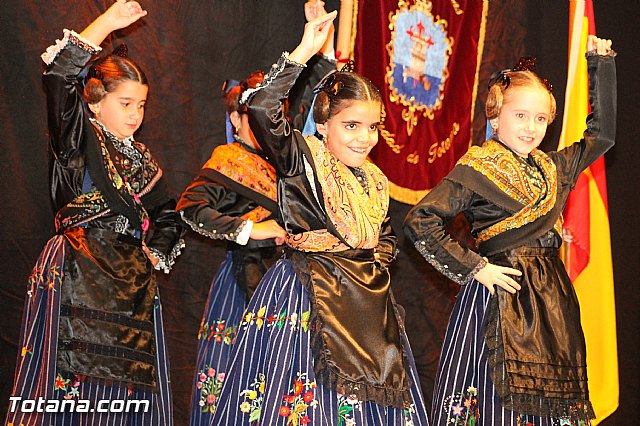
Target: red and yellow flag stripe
{"points": [[587, 247]]}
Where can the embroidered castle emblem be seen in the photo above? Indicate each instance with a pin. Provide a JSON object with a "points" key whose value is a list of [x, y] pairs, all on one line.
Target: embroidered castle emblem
{"points": [[419, 53]]}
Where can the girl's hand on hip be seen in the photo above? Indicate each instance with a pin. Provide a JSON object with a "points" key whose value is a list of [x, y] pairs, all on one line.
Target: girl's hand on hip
{"points": [[493, 275]]}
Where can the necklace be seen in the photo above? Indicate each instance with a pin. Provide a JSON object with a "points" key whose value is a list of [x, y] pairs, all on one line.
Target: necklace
{"points": [[361, 177]]}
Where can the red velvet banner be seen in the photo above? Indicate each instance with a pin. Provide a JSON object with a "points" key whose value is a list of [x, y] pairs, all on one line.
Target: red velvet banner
{"points": [[423, 56]]}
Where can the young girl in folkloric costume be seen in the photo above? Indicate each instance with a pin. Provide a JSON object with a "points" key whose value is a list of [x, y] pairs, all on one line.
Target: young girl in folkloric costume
{"points": [[321, 341], [514, 351], [92, 325], [233, 198]]}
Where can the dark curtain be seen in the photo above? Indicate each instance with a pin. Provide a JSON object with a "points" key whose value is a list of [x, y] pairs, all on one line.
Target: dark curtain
{"points": [[187, 49]]}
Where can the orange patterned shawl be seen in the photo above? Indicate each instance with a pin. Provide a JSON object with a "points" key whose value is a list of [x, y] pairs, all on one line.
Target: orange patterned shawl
{"points": [[247, 169]]}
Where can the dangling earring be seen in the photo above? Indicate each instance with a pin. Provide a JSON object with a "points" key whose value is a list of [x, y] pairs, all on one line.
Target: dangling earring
{"points": [[324, 139]]}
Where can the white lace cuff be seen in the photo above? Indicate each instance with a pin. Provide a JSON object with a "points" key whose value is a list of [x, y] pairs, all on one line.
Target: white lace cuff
{"points": [[243, 236], [273, 73], [72, 37], [166, 262]]}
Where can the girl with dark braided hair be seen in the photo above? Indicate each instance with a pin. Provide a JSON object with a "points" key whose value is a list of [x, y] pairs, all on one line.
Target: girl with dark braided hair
{"points": [[92, 337], [321, 341]]}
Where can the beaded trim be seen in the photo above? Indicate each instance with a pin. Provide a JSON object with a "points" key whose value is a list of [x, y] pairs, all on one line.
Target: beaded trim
{"points": [[594, 52], [444, 269], [151, 183], [72, 37], [275, 70], [166, 262], [213, 234], [361, 176]]}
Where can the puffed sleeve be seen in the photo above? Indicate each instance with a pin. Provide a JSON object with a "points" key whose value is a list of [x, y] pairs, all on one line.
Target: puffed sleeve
{"points": [[268, 121], [301, 95], [65, 60], [198, 208], [599, 135], [165, 240], [424, 226]]}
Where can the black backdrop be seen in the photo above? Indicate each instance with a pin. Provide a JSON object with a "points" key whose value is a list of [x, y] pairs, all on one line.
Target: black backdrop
{"points": [[188, 48]]}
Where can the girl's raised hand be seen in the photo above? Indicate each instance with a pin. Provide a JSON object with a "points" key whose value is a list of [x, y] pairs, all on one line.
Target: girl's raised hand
{"points": [[600, 45], [313, 9], [492, 275], [314, 37], [123, 13]]}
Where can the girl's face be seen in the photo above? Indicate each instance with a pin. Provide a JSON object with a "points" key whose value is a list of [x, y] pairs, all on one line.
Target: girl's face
{"points": [[523, 118], [353, 132], [122, 110]]}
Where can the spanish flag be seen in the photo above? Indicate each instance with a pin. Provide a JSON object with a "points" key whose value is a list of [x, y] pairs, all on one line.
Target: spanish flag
{"points": [[587, 245]]}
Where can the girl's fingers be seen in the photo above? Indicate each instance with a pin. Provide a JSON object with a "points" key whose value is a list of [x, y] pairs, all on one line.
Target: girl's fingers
{"points": [[505, 285], [511, 282], [491, 288], [325, 18], [510, 271]]}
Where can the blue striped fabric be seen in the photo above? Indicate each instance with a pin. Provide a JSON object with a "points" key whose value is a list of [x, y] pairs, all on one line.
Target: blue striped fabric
{"points": [[36, 374], [270, 378], [224, 308], [464, 393]]}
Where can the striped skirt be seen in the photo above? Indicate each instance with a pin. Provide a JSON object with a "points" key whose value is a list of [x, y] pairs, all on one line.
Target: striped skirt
{"points": [[270, 379], [71, 400], [464, 393], [217, 334]]}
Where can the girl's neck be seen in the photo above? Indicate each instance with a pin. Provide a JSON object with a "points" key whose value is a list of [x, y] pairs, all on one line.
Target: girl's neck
{"points": [[516, 154], [127, 141], [247, 143]]}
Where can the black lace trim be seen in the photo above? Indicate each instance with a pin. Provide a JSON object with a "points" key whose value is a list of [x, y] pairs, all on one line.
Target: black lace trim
{"points": [[124, 147], [323, 367], [578, 409]]}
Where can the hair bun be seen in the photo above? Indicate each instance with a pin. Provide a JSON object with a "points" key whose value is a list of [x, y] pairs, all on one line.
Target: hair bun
{"points": [[525, 63]]}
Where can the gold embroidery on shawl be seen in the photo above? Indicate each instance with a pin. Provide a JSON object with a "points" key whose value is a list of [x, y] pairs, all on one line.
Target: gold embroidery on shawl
{"points": [[356, 215], [509, 174]]}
